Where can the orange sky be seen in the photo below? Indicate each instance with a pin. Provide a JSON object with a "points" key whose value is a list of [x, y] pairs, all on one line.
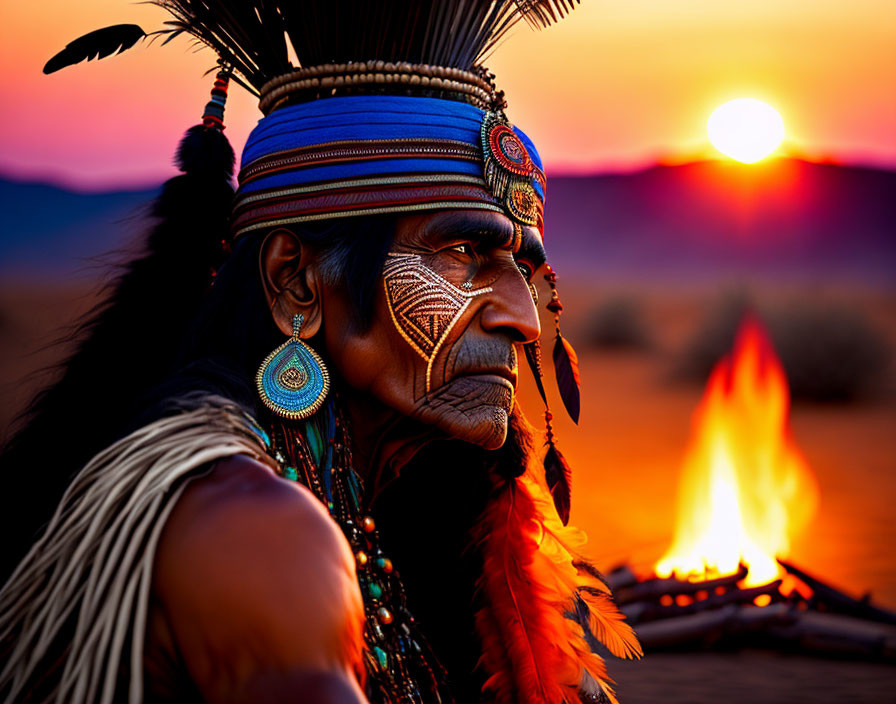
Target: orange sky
{"points": [[618, 84]]}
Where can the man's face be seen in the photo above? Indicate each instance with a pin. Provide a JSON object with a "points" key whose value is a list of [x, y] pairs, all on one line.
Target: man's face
{"points": [[453, 303]]}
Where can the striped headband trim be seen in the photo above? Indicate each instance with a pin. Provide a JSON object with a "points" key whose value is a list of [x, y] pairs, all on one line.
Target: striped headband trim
{"points": [[372, 197], [383, 210], [351, 151], [338, 184]]}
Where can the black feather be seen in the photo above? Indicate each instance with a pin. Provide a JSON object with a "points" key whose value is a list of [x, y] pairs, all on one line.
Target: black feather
{"points": [[566, 366], [96, 45], [585, 566], [582, 615], [533, 356], [558, 476]]}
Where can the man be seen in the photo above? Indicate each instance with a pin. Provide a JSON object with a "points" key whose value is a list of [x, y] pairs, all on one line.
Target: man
{"points": [[241, 537]]}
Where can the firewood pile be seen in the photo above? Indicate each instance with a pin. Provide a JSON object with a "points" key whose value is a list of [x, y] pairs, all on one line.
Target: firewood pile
{"points": [[798, 612]]}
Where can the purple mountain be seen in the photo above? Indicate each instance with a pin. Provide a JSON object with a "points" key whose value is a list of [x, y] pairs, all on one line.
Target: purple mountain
{"points": [[782, 220], [785, 219]]}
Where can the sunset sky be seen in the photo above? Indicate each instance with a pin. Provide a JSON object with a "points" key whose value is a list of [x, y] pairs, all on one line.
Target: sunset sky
{"points": [[616, 85]]}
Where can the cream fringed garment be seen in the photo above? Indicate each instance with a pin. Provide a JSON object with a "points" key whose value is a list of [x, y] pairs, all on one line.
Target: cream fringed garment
{"points": [[94, 562]]}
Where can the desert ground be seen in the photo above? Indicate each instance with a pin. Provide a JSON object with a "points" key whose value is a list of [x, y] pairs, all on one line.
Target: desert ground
{"points": [[635, 423]]}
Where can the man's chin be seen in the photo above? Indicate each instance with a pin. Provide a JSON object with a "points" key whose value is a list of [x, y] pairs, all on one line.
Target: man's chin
{"points": [[474, 408]]}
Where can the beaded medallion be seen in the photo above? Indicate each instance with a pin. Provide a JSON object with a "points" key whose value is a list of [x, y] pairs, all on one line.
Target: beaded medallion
{"points": [[509, 170]]}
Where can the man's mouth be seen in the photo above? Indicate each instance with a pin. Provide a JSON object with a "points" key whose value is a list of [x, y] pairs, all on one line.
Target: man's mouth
{"points": [[503, 376]]}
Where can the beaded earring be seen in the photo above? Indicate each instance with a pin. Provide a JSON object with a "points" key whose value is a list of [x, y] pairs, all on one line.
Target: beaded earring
{"points": [[292, 380]]}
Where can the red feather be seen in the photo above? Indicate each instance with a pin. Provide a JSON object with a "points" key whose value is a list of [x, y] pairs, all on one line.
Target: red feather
{"points": [[508, 534], [608, 625], [534, 575]]}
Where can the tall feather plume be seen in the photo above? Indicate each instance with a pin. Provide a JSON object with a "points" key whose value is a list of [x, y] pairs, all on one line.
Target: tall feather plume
{"points": [[255, 36], [541, 596]]}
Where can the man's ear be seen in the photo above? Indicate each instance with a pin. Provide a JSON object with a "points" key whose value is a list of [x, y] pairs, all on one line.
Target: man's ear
{"points": [[291, 281]]}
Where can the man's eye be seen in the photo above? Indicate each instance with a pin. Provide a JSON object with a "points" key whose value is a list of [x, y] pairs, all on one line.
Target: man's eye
{"points": [[464, 248]]}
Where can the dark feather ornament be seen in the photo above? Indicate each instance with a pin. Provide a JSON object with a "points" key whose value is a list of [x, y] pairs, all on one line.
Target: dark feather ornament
{"points": [[558, 476], [533, 357], [96, 45], [566, 363], [566, 366]]}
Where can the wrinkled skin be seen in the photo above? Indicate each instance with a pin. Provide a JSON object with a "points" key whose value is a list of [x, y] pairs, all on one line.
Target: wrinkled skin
{"points": [[473, 371]]}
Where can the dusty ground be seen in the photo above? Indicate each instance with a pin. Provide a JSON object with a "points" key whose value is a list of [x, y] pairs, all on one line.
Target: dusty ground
{"points": [[625, 455], [752, 678]]}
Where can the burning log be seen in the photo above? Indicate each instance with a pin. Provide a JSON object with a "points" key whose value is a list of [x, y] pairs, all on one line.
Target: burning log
{"points": [[813, 618], [779, 626], [653, 589], [646, 611], [832, 599]]}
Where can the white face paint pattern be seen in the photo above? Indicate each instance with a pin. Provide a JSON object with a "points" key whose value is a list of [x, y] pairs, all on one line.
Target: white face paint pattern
{"points": [[424, 306]]}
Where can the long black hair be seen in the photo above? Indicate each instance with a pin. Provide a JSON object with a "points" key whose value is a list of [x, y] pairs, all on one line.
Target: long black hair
{"points": [[182, 316]]}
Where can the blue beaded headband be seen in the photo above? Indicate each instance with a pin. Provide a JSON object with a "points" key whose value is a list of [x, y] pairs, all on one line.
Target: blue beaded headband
{"points": [[362, 155]]}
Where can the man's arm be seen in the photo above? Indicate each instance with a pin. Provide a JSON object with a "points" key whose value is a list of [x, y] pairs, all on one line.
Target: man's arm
{"points": [[258, 585]]}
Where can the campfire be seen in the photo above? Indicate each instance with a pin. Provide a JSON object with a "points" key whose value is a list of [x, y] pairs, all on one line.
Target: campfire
{"points": [[745, 492]]}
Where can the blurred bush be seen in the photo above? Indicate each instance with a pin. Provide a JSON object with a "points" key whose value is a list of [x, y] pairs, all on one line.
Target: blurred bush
{"points": [[830, 352], [618, 323], [714, 336]]}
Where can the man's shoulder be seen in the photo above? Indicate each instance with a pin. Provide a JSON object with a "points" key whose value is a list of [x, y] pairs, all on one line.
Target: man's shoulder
{"points": [[241, 510], [240, 494], [251, 570]]}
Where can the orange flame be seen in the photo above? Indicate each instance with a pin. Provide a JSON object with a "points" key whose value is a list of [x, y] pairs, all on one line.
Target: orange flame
{"points": [[745, 489]]}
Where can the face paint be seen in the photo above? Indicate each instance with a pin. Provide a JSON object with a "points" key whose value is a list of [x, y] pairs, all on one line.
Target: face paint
{"points": [[424, 306]]}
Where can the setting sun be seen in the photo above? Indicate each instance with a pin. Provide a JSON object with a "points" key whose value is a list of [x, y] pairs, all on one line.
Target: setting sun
{"points": [[745, 129]]}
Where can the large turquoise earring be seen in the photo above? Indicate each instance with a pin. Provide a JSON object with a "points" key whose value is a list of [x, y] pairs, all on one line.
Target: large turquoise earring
{"points": [[292, 380]]}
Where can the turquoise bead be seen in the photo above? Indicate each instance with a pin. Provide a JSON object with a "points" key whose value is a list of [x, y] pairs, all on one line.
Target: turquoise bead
{"points": [[381, 657], [375, 590], [291, 473]]}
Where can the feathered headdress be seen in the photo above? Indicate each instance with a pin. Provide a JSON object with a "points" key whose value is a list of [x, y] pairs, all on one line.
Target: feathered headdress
{"points": [[258, 39]]}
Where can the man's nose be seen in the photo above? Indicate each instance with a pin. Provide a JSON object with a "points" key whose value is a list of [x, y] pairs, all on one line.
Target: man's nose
{"points": [[510, 308]]}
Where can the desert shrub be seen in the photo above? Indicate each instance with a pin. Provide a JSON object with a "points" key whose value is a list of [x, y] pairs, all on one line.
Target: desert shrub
{"points": [[829, 352], [713, 336], [618, 323]]}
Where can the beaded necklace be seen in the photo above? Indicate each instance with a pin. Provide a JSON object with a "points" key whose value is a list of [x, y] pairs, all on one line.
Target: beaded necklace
{"points": [[401, 667]]}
